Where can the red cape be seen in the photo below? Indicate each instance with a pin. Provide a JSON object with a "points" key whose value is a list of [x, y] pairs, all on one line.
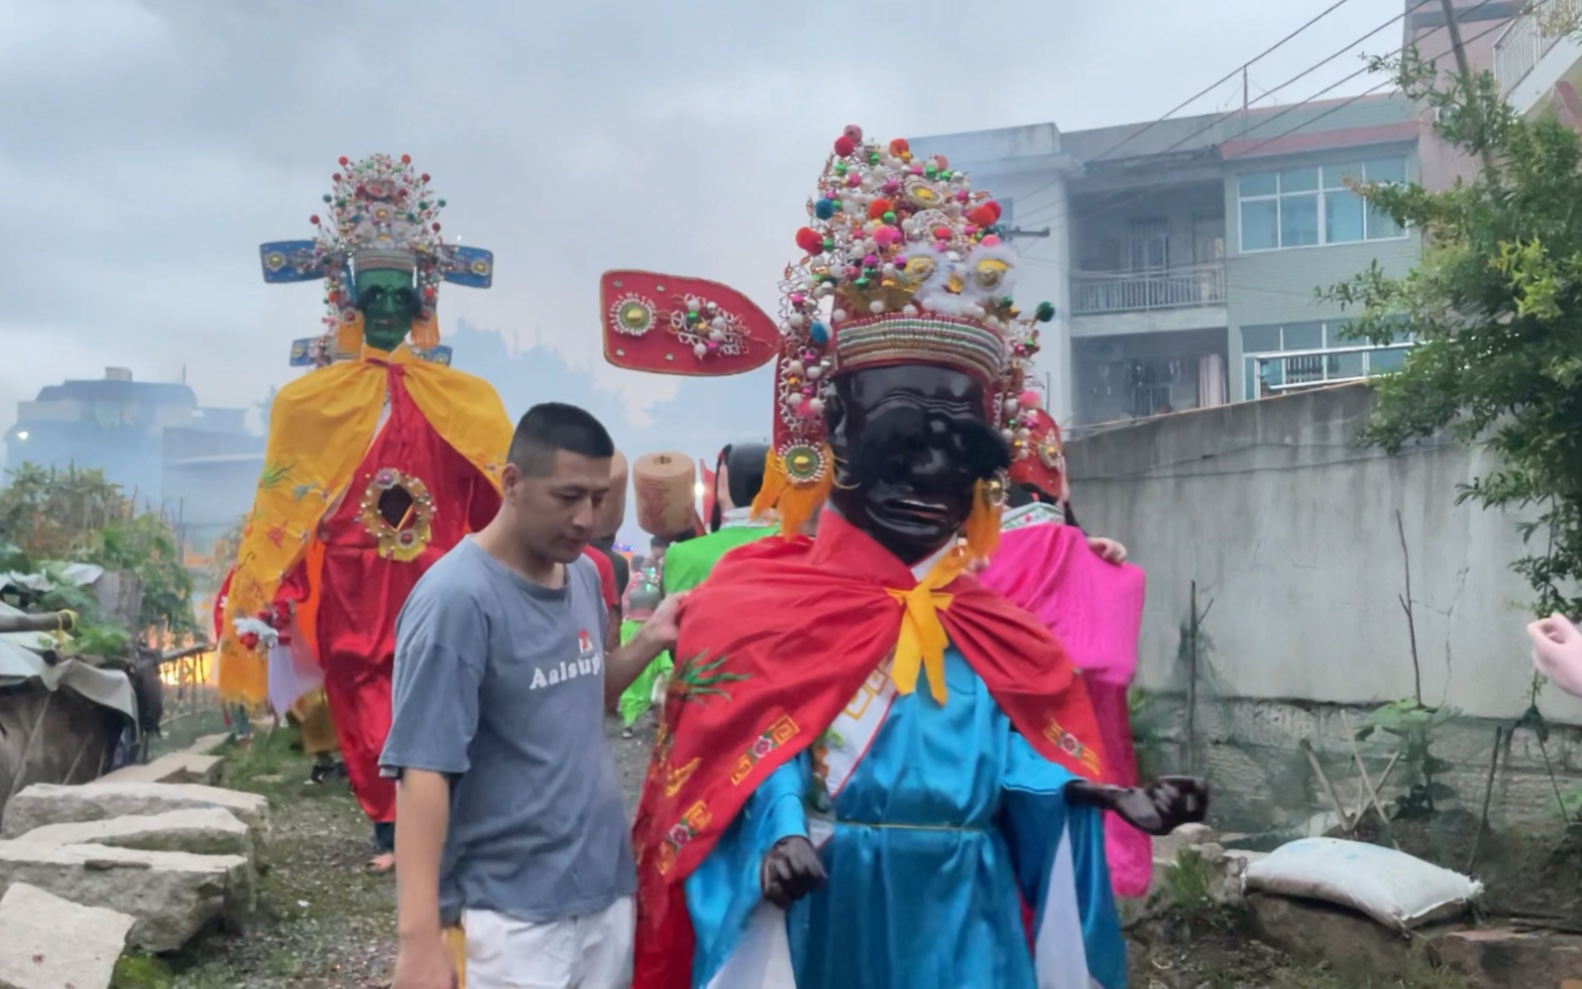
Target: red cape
{"points": [[773, 647]]}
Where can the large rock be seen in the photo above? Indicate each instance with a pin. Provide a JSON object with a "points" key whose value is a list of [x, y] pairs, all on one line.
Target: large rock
{"points": [[51, 943], [1321, 932], [196, 830], [48, 803], [1498, 958], [172, 895], [177, 767]]}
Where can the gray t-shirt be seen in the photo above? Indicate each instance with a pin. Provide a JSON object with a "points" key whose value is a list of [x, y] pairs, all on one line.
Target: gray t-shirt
{"points": [[499, 684]]}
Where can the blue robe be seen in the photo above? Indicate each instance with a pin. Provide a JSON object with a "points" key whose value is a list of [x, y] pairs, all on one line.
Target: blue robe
{"points": [[947, 820]]}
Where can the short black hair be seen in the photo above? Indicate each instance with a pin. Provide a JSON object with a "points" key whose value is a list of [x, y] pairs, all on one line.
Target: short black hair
{"points": [[550, 427]]}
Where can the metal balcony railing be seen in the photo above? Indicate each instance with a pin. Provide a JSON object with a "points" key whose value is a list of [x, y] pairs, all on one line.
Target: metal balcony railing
{"points": [[1095, 292], [1528, 38], [1294, 370]]}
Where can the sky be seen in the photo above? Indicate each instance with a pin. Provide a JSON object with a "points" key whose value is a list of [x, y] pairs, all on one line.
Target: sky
{"points": [[148, 146]]}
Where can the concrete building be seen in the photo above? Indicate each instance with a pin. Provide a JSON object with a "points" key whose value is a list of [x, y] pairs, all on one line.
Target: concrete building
{"points": [[152, 439], [1183, 255], [113, 424], [209, 476]]}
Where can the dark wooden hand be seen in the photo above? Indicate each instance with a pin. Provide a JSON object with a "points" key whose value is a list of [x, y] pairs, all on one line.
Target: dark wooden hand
{"points": [[1157, 808], [791, 870]]}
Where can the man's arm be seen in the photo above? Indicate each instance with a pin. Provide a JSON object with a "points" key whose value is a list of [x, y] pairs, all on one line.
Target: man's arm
{"points": [[441, 653], [422, 816], [656, 635]]}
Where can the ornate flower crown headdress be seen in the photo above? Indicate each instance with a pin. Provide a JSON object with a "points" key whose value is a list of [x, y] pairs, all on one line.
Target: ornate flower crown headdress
{"points": [[380, 214], [903, 263]]}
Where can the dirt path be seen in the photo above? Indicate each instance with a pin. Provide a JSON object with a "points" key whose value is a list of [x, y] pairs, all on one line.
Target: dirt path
{"points": [[328, 924]]}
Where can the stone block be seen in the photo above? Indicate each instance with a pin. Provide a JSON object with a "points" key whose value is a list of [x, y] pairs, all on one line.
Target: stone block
{"points": [[49, 803], [208, 744], [196, 830], [1500, 958], [171, 895], [177, 767], [51, 943]]}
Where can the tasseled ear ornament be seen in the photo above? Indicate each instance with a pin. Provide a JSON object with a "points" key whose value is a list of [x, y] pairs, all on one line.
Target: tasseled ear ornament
{"points": [[982, 530]]}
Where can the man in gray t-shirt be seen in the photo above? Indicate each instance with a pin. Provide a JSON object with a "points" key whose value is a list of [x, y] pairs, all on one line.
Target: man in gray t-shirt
{"points": [[510, 824]]}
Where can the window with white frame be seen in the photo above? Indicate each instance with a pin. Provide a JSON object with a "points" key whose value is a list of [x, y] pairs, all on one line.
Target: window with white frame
{"points": [[1290, 355], [1312, 206]]}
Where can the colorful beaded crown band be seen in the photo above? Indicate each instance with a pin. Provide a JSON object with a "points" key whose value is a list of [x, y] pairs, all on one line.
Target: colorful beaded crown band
{"points": [[945, 341]]}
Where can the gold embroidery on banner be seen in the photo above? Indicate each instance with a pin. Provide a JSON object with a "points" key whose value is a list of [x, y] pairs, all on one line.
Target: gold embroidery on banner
{"points": [[783, 729], [870, 689], [697, 817], [1071, 745], [677, 778]]}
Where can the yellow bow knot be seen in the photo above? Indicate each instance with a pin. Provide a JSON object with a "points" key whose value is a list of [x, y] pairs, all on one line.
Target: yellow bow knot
{"points": [[922, 640]]}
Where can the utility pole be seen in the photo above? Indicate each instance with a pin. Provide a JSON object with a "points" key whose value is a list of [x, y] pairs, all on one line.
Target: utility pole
{"points": [[1464, 68], [1246, 100]]}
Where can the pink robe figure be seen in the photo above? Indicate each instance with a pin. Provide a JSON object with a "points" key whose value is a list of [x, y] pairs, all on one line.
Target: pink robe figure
{"points": [[1557, 652], [1094, 610]]}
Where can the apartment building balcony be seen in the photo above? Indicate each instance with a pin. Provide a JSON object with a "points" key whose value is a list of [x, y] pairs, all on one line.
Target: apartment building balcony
{"points": [[1185, 297], [1097, 292], [1536, 50]]}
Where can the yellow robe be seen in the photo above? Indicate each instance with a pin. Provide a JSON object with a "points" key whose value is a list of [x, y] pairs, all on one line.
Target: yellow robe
{"points": [[320, 426]]}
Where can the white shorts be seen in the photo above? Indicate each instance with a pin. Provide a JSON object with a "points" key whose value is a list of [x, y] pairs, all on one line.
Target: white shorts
{"points": [[592, 952]]}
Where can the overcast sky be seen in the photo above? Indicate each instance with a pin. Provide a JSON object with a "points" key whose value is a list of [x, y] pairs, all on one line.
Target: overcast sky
{"points": [[148, 146]]}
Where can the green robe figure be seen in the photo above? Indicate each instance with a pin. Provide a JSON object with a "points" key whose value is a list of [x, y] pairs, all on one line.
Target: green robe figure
{"points": [[738, 474]]}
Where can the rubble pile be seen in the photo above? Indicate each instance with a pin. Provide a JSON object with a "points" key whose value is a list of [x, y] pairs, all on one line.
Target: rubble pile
{"points": [[144, 859]]}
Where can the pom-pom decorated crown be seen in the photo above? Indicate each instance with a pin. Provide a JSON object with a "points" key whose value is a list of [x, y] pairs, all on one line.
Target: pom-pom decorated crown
{"points": [[379, 214], [903, 262]]}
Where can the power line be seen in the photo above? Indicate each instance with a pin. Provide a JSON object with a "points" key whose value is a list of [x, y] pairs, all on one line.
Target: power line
{"points": [[1341, 106], [1233, 73], [1294, 107], [1204, 92]]}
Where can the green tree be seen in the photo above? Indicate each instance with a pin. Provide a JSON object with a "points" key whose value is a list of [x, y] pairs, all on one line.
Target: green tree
{"points": [[45, 511], [1495, 306]]}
